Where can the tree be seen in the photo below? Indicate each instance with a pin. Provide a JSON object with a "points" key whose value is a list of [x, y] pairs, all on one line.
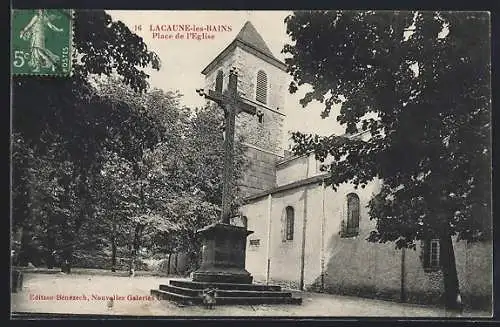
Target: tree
{"points": [[44, 202], [63, 111], [150, 136], [101, 159], [205, 154], [164, 168], [101, 47], [31, 197], [198, 202], [419, 83], [188, 180], [111, 199]]}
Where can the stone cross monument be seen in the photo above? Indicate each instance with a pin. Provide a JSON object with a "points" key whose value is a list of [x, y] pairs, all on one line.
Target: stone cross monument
{"points": [[224, 245], [232, 105]]}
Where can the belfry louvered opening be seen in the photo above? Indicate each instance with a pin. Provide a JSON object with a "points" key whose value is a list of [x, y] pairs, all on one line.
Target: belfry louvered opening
{"points": [[261, 89]]}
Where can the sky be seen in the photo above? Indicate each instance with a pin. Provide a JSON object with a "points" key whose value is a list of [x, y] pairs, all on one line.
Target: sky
{"points": [[183, 60]]}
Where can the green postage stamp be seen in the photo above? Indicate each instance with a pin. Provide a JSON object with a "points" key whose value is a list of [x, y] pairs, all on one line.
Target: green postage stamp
{"points": [[41, 41]]}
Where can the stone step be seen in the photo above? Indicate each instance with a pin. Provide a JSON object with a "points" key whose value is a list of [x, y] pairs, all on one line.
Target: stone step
{"points": [[224, 293], [178, 298], [258, 300], [180, 290], [224, 286], [191, 300]]}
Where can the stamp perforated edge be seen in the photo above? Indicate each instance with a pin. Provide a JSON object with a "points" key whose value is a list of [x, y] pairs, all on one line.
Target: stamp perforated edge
{"points": [[71, 42]]}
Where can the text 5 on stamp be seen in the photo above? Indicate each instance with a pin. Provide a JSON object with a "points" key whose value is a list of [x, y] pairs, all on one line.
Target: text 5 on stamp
{"points": [[41, 42]]}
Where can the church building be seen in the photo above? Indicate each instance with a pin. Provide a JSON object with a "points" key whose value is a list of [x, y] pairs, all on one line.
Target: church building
{"points": [[307, 236]]}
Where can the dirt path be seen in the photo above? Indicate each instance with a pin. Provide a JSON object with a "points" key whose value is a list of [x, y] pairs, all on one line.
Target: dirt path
{"points": [[51, 293]]}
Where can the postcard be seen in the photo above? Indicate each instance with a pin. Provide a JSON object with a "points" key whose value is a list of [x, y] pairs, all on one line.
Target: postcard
{"points": [[251, 163]]}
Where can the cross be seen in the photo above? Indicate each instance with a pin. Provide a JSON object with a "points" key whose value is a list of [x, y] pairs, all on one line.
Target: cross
{"points": [[232, 104]]}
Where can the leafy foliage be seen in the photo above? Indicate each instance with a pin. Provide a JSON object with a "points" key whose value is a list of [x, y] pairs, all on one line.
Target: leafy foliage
{"points": [[101, 161], [424, 98], [105, 47], [418, 83]]}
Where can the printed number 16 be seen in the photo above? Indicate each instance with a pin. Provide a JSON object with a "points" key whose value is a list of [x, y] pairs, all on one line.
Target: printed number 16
{"points": [[19, 57]]}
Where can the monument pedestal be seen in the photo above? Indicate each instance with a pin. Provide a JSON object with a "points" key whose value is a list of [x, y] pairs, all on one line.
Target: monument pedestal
{"points": [[223, 255], [223, 268]]}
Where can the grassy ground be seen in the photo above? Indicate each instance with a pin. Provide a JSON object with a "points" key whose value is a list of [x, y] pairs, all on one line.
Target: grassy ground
{"points": [[314, 304]]}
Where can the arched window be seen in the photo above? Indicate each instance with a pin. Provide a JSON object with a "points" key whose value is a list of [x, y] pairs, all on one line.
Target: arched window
{"points": [[261, 89], [431, 254], [219, 81], [290, 216], [351, 225]]}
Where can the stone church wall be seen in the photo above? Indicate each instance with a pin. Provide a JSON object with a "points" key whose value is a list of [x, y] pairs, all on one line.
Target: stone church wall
{"points": [[264, 138], [247, 66], [267, 135], [293, 169], [260, 174], [354, 266], [257, 244], [472, 260], [285, 254], [475, 274]]}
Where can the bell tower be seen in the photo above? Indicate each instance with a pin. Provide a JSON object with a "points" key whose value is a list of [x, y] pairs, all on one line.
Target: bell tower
{"points": [[261, 82]]}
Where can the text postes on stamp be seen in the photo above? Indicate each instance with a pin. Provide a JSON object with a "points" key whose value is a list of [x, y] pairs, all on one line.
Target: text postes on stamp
{"points": [[41, 42]]}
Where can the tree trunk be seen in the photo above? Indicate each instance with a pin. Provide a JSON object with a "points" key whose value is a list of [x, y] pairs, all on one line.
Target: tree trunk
{"points": [[67, 259], [25, 252], [113, 249], [452, 296], [21, 212], [67, 252], [168, 264], [135, 247], [131, 253], [82, 216], [51, 247], [16, 245], [70, 238], [68, 232], [131, 267], [51, 240], [176, 263]]}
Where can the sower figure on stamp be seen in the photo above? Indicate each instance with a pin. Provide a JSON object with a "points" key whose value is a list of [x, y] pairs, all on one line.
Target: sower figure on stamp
{"points": [[41, 57]]}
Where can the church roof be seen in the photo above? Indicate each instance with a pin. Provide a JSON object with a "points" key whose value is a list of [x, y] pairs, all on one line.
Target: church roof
{"points": [[306, 181], [249, 39]]}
